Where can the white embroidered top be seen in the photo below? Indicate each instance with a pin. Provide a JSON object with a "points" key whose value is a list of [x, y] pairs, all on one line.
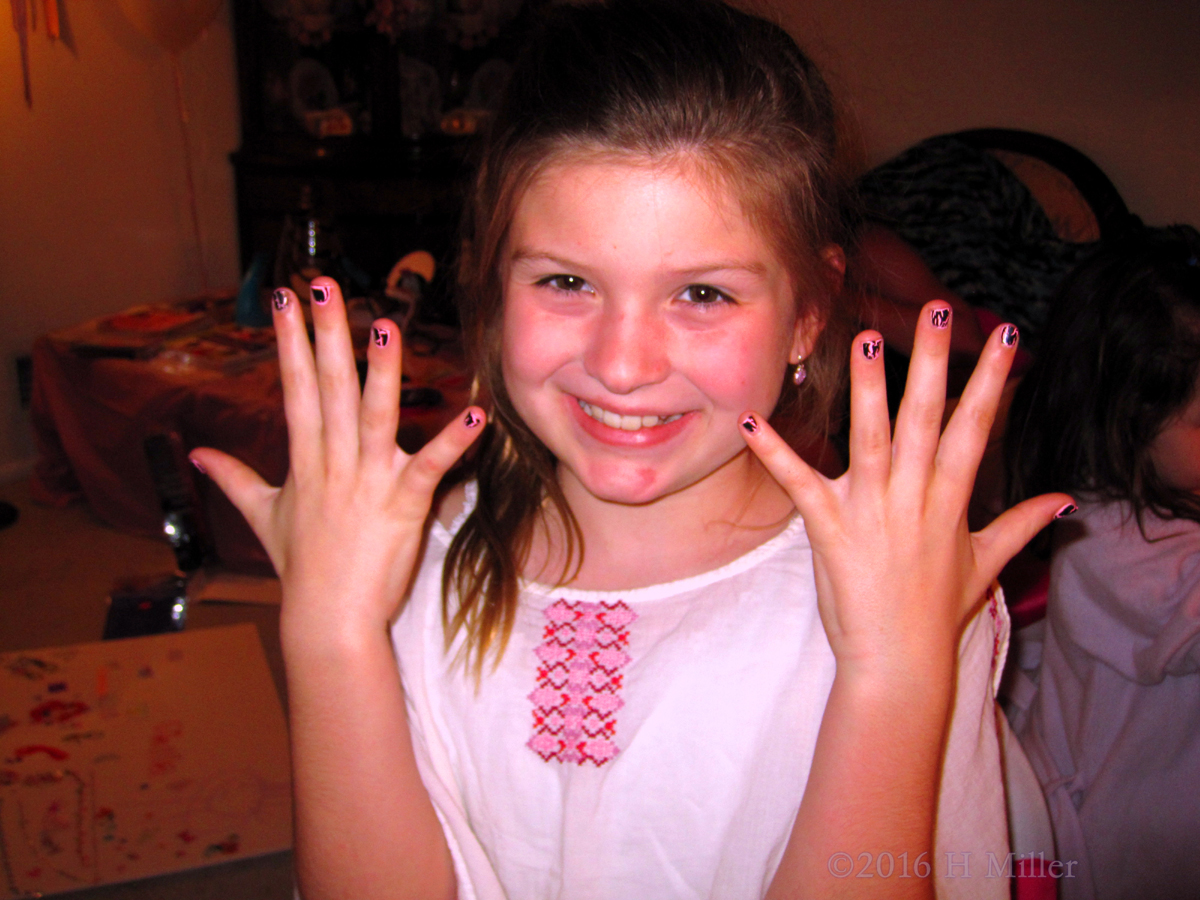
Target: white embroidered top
{"points": [[656, 742]]}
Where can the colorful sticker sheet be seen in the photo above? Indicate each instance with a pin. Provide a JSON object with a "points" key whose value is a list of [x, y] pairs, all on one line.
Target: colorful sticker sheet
{"points": [[130, 758]]}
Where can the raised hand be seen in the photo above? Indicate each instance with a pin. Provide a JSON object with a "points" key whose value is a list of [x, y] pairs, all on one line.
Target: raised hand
{"points": [[344, 530], [894, 559], [898, 574]]}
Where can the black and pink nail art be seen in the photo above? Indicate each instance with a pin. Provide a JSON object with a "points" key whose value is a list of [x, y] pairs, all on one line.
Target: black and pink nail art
{"points": [[1067, 509], [381, 336], [872, 348], [321, 294], [750, 424], [472, 419], [940, 317], [280, 299], [1009, 335]]}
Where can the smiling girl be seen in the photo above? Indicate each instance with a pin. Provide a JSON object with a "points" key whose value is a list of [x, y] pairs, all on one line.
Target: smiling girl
{"points": [[645, 651]]}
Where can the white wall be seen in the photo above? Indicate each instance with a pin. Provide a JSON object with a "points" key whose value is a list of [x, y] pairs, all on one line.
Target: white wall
{"points": [[1118, 80], [93, 199], [94, 212]]}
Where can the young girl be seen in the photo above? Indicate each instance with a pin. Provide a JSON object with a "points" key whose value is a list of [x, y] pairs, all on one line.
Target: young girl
{"points": [[1111, 411], [627, 667]]}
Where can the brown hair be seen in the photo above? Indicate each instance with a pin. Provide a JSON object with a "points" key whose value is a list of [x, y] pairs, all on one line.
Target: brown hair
{"points": [[1120, 357], [653, 79]]}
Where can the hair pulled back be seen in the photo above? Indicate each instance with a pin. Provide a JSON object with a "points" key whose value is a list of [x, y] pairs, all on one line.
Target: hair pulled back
{"points": [[651, 80], [1120, 357]]}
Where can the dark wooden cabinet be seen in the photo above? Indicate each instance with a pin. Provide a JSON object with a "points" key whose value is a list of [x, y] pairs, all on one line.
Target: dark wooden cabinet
{"points": [[382, 192]]}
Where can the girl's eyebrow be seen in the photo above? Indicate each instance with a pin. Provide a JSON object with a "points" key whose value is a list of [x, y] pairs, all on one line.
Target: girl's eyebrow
{"points": [[752, 267]]}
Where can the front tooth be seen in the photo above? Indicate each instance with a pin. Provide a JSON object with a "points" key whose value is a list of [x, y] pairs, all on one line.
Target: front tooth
{"points": [[631, 423], [611, 419], [649, 421]]}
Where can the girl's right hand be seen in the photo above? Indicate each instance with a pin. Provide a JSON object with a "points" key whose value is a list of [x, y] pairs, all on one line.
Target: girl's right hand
{"points": [[344, 530]]}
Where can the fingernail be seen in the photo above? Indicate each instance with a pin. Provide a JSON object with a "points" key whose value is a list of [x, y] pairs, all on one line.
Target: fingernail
{"points": [[750, 424], [871, 348], [472, 419], [279, 298], [320, 294], [199, 468], [1009, 335], [1068, 509], [940, 317], [381, 335]]}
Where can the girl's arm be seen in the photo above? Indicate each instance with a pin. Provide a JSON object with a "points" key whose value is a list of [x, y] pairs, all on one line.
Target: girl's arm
{"points": [[898, 575], [344, 533]]}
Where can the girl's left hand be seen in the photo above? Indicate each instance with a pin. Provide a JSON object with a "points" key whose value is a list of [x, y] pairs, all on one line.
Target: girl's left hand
{"points": [[898, 571], [898, 574]]}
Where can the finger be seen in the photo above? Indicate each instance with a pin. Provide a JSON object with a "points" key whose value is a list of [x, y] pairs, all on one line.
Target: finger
{"points": [[337, 374], [430, 464], [380, 415], [245, 489], [969, 429], [870, 428], [919, 421], [1000, 541], [298, 374], [807, 488]]}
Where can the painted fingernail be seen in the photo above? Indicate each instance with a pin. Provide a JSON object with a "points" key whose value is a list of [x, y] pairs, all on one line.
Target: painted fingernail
{"points": [[320, 294], [381, 336], [199, 468], [750, 424], [1009, 335], [1067, 509], [280, 299], [472, 419], [872, 348], [940, 317]]}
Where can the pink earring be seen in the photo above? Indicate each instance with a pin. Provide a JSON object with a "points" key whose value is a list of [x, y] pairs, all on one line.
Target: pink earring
{"points": [[799, 373]]}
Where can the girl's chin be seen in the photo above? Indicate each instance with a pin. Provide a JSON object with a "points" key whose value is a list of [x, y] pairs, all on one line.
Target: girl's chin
{"points": [[632, 484]]}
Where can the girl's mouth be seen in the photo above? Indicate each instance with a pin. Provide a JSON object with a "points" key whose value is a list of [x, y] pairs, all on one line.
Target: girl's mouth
{"points": [[625, 423]]}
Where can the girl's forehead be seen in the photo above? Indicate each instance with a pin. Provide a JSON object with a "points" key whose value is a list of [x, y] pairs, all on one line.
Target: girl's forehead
{"points": [[690, 165]]}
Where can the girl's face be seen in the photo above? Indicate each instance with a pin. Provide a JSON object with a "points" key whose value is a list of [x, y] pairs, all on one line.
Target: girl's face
{"points": [[1176, 451], [643, 315]]}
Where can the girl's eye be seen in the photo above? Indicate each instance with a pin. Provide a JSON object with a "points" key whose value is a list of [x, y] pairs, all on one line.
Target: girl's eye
{"points": [[569, 283], [705, 294]]}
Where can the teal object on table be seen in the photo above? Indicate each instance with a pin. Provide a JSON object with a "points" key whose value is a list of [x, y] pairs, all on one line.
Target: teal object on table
{"points": [[249, 311]]}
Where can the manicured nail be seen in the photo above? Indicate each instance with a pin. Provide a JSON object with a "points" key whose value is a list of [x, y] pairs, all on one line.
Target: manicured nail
{"points": [[1009, 335], [280, 299], [199, 468], [940, 317], [872, 348], [472, 419], [381, 336], [750, 424], [320, 294], [1068, 509]]}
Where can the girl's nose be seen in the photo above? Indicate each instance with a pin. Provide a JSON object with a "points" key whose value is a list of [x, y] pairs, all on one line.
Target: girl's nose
{"points": [[627, 349]]}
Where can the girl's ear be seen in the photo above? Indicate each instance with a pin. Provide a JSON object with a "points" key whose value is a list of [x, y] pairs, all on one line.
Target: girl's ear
{"points": [[809, 326], [834, 258]]}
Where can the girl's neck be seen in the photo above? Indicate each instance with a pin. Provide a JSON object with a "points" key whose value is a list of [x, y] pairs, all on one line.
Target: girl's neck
{"points": [[700, 528]]}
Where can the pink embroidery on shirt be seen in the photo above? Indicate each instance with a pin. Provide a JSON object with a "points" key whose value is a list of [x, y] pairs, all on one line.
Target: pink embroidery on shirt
{"points": [[578, 688], [993, 605]]}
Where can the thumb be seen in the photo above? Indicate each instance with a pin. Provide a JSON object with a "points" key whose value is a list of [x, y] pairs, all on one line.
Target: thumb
{"points": [[1014, 528], [242, 485]]}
